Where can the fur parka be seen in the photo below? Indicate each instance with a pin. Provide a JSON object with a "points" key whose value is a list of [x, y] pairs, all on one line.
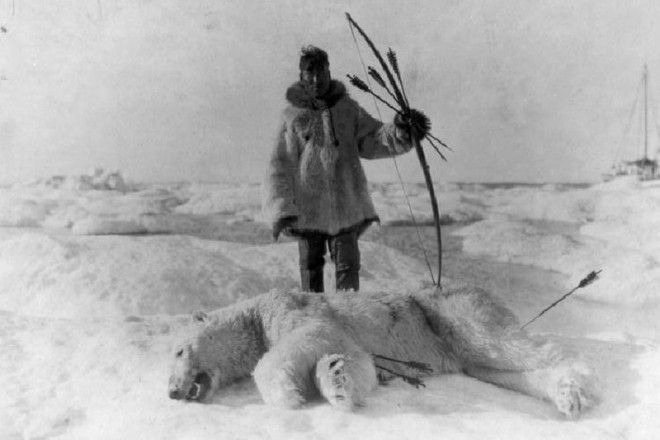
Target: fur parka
{"points": [[315, 172]]}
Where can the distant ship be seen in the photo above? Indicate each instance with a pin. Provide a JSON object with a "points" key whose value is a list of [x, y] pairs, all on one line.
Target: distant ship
{"points": [[644, 168]]}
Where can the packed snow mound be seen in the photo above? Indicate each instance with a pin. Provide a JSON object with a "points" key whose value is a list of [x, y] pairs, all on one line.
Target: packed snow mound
{"points": [[614, 228], [574, 255], [19, 212], [540, 203], [616, 200], [242, 201], [395, 201], [65, 372], [70, 276], [99, 179], [92, 211]]}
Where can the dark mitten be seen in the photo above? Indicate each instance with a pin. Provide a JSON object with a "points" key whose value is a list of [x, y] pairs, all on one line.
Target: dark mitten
{"points": [[283, 224], [418, 122]]}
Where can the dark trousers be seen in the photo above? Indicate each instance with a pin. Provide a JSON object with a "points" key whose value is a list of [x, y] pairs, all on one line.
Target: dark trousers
{"points": [[344, 252]]}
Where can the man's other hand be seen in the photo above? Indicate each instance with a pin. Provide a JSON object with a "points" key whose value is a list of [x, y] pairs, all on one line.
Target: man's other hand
{"points": [[283, 225]]}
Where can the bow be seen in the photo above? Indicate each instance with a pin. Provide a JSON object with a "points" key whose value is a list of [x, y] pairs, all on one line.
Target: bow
{"points": [[416, 121]]}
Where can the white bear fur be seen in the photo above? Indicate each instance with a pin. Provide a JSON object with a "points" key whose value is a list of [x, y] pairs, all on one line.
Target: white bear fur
{"points": [[298, 345]]}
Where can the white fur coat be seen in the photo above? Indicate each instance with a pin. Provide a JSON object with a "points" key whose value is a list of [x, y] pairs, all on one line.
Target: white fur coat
{"points": [[315, 172]]}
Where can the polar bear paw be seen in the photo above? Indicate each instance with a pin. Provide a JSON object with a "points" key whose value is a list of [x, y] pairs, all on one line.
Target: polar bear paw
{"points": [[572, 398], [335, 383]]}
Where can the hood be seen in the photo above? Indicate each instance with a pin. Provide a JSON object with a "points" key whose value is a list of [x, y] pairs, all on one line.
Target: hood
{"points": [[298, 96]]}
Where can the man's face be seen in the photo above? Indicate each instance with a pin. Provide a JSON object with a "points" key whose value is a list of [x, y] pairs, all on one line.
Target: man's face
{"points": [[316, 79]]}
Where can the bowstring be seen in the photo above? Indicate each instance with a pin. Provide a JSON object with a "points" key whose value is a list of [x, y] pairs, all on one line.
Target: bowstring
{"points": [[393, 157]]}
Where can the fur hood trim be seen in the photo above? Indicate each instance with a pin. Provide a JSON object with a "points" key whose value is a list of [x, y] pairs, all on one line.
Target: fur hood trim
{"points": [[299, 97]]}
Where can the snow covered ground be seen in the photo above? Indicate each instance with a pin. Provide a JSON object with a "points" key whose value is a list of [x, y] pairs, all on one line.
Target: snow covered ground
{"points": [[98, 276]]}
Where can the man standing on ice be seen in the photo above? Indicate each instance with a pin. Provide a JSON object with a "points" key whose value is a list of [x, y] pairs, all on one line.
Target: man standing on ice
{"points": [[316, 188]]}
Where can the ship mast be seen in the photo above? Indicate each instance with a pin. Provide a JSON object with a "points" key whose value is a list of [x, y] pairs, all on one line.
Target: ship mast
{"points": [[646, 114]]}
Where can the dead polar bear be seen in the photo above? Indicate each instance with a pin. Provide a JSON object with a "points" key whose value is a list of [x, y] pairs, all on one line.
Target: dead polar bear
{"points": [[297, 345]]}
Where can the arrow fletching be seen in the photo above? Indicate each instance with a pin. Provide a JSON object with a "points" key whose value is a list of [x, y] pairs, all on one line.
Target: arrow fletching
{"points": [[376, 76], [394, 62], [357, 82]]}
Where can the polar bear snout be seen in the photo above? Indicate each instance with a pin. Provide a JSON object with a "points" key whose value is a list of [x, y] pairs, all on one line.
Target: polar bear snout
{"points": [[196, 390], [176, 394]]}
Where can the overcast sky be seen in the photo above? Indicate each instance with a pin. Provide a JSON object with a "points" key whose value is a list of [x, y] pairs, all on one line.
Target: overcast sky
{"points": [[182, 90]]}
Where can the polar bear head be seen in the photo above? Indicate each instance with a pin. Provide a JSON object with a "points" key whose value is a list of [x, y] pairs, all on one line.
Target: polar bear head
{"points": [[220, 350], [193, 372]]}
